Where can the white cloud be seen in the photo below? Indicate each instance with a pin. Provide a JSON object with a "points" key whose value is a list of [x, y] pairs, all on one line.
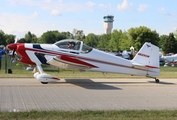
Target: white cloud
{"points": [[19, 24], [102, 6], [142, 7], [21, 2], [55, 12], [48, 1], [107, 7], [35, 14], [90, 4], [163, 11], [124, 6]]}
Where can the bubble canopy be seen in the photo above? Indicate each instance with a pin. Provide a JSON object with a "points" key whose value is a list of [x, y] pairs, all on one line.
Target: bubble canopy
{"points": [[76, 45]]}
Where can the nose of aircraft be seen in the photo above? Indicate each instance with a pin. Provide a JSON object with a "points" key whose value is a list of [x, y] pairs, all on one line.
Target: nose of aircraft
{"points": [[12, 46]]}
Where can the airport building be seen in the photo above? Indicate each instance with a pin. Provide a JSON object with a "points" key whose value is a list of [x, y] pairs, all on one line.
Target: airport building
{"points": [[108, 23]]}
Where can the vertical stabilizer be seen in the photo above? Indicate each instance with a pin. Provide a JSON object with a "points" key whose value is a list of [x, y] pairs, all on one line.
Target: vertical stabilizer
{"points": [[148, 56]]}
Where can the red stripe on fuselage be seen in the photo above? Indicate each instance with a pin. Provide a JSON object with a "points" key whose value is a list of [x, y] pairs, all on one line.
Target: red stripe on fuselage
{"points": [[75, 60], [151, 66]]}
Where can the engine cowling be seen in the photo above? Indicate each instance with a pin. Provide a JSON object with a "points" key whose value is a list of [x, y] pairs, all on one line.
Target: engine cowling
{"points": [[45, 78]]}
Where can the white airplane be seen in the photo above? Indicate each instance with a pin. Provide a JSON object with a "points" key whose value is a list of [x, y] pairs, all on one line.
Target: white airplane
{"points": [[85, 58], [169, 59]]}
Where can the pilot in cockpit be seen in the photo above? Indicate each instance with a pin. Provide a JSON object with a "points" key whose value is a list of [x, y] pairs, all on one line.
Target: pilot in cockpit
{"points": [[70, 45]]}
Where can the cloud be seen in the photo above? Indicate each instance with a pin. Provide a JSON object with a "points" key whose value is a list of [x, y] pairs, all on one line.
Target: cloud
{"points": [[102, 6], [21, 2], [107, 7], [142, 7], [163, 11], [35, 14], [124, 6], [48, 1], [16, 23], [90, 4], [56, 12]]}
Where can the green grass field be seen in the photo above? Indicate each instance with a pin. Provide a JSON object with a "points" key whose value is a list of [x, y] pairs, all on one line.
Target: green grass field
{"points": [[19, 71], [91, 115]]}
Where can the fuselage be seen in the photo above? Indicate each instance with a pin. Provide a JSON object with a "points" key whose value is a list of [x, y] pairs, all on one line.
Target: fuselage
{"points": [[81, 57]]}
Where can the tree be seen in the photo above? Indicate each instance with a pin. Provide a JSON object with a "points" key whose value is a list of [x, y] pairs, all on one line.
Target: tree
{"points": [[175, 34], [78, 34], [9, 38], [170, 44], [51, 37], [141, 35], [2, 38], [67, 34], [119, 41], [162, 40], [103, 42], [22, 40], [91, 40], [30, 38], [125, 41]]}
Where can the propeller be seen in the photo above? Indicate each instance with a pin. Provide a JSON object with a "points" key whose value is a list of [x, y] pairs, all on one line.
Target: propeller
{"points": [[13, 47]]}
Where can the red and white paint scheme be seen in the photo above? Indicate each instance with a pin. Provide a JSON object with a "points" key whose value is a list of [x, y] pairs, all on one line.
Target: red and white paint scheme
{"points": [[85, 58]]}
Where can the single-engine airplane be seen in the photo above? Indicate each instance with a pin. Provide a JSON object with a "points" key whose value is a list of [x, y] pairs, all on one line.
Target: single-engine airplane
{"points": [[169, 59], [85, 58]]}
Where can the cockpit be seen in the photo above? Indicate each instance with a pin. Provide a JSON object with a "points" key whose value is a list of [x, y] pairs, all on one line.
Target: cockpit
{"points": [[73, 45]]}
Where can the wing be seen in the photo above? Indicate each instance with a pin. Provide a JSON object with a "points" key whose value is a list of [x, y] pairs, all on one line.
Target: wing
{"points": [[70, 62]]}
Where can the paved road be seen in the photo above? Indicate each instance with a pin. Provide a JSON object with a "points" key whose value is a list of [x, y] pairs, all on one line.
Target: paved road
{"points": [[87, 94]]}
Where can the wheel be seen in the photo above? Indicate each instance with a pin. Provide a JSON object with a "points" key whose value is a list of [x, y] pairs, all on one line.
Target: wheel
{"points": [[44, 82], [157, 80]]}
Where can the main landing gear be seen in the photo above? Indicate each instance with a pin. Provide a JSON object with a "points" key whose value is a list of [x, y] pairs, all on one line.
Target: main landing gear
{"points": [[157, 80], [44, 82]]}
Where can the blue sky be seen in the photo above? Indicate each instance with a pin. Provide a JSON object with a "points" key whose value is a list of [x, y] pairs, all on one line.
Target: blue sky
{"points": [[38, 16]]}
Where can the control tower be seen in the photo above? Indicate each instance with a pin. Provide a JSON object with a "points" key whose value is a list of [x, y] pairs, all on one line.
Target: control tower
{"points": [[108, 23]]}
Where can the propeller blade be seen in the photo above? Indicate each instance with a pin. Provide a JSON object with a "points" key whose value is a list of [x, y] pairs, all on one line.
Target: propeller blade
{"points": [[13, 47], [13, 53], [16, 40]]}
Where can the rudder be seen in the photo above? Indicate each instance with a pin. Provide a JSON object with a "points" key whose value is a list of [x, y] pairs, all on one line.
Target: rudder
{"points": [[148, 56]]}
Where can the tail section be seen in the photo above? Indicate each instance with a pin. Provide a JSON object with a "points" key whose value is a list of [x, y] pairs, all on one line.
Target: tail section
{"points": [[148, 57]]}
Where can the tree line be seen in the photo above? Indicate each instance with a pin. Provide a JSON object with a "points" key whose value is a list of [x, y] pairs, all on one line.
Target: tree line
{"points": [[116, 41]]}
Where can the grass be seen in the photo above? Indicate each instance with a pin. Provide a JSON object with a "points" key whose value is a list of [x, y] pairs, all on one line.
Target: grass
{"points": [[91, 115]]}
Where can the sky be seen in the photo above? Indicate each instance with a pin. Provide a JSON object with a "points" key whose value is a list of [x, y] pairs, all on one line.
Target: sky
{"points": [[17, 17]]}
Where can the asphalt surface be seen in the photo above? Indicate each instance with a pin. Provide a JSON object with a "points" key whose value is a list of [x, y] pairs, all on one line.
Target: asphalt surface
{"points": [[87, 94]]}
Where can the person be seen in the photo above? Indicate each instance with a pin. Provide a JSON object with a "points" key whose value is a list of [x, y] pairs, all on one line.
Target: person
{"points": [[2, 51], [69, 46]]}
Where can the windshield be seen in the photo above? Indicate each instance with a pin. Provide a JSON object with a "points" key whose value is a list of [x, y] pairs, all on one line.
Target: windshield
{"points": [[86, 49]]}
